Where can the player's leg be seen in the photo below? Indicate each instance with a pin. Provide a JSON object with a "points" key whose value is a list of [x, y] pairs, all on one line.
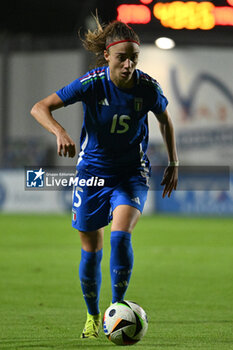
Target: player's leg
{"points": [[90, 215], [90, 278], [90, 268], [92, 241], [125, 218], [127, 202]]}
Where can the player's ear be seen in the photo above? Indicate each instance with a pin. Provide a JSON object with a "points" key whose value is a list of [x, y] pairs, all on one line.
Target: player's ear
{"points": [[106, 55]]}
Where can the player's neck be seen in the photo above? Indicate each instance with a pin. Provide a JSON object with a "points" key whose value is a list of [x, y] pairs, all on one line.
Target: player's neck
{"points": [[122, 83]]}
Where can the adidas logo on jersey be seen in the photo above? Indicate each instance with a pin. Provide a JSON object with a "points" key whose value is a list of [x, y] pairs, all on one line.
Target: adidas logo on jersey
{"points": [[136, 200], [103, 102]]}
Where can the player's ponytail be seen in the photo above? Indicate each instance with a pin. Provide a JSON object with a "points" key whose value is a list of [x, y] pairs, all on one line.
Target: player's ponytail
{"points": [[97, 41]]}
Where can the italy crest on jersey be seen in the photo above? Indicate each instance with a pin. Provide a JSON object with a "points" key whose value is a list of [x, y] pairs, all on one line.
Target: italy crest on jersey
{"points": [[138, 104]]}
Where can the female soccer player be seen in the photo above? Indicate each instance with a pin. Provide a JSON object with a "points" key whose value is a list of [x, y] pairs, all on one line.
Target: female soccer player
{"points": [[116, 98]]}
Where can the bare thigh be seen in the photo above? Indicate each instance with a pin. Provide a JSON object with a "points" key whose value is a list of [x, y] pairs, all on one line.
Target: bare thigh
{"points": [[125, 218]]}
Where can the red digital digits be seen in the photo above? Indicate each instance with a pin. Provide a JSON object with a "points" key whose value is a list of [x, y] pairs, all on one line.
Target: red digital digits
{"points": [[178, 14]]}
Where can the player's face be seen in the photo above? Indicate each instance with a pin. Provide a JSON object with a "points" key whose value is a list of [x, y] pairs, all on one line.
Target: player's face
{"points": [[122, 59]]}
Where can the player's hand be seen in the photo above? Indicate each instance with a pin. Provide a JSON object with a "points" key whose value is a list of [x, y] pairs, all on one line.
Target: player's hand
{"points": [[170, 180], [65, 145]]}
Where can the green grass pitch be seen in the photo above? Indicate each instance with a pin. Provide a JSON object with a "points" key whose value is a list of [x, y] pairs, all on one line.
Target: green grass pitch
{"points": [[182, 277]]}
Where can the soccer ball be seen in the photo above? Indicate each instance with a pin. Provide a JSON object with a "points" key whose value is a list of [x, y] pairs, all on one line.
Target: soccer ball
{"points": [[125, 323]]}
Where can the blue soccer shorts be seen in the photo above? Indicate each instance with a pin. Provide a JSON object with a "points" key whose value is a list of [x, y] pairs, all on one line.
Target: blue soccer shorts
{"points": [[95, 198]]}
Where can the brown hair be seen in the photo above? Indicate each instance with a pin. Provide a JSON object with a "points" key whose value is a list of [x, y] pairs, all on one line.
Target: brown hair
{"points": [[96, 41]]}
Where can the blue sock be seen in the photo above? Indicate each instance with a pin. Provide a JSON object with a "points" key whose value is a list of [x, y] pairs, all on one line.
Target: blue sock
{"points": [[121, 263], [90, 279]]}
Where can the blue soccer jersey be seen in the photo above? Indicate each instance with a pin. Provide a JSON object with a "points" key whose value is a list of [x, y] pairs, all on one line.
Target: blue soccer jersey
{"points": [[115, 126]]}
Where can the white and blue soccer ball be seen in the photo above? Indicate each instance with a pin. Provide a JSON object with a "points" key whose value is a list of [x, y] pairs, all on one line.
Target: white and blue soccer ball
{"points": [[125, 323]]}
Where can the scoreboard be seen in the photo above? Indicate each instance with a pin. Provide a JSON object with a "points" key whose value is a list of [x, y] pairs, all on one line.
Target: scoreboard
{"points": [[187, 22]]}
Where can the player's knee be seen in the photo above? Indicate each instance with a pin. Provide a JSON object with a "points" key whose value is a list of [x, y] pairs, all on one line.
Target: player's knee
{"points": [[91, 241], [124, 226]]}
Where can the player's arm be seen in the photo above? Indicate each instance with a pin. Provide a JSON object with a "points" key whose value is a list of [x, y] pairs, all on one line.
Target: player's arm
{"points": [[170, 177], [42, 112]]}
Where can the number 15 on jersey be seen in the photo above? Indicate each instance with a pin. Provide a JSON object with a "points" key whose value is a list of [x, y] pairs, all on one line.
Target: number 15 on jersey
{"points": [[119, 124]]}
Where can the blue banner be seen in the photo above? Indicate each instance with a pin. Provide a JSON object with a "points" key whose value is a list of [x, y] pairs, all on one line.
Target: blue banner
{"points": [[200, 196]]}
